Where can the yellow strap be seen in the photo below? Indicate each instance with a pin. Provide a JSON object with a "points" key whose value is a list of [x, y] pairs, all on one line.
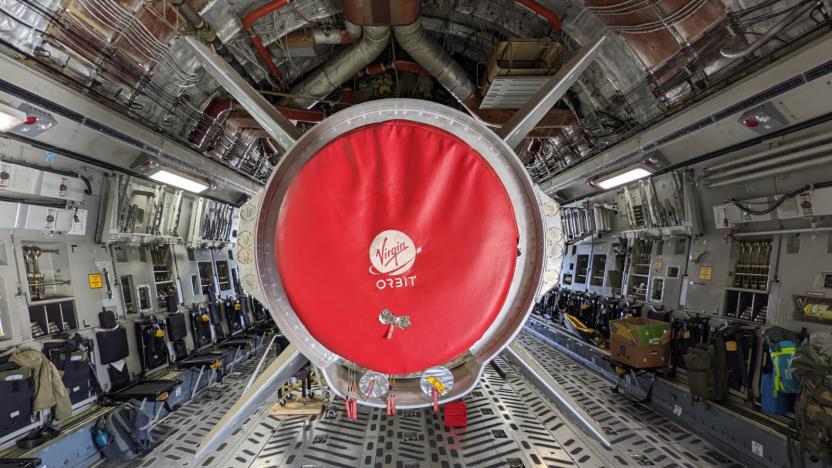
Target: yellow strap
{"points": [[436, 384], [778, 382], [783, 351]]}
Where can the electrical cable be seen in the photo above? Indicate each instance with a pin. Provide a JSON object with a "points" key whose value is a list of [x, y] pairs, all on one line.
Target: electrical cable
{"points": [[770, 15], [773, 206], [776, 204]]}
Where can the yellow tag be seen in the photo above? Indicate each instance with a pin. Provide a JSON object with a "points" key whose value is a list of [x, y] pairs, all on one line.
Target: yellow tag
{"points": [[686, 334], [705, 273], [96, 281], [436, 384], [162, 396], [730, 345], [236, 306], [204, 317], [657, 265], [216, 365], [160, 333]]}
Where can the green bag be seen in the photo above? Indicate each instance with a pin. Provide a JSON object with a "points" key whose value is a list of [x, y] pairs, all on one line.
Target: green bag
{"points": [[707, 368], [641, 331], [813, 410]]}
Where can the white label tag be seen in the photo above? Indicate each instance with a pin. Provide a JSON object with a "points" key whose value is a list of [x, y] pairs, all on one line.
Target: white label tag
{"points": [[14, 377], [677, 410], [75, 389], [178, 391], [757, 448], [14, 414], [119, 365], [76, 358]]}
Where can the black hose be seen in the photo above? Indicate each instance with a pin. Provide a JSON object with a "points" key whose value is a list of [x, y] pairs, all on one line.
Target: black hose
{"points": [[779, 201], [47, 204], [88, 190]]}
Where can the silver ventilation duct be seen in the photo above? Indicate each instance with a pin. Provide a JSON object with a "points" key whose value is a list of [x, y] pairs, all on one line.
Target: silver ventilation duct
{"points": [[433, 58], [341, 68]]}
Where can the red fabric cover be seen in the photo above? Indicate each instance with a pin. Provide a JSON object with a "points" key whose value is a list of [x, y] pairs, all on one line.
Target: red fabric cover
{"points": [[428, 184]]}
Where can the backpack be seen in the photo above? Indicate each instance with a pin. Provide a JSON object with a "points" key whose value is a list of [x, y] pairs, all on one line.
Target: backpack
{"points": [[782, 353], [707, 368], [782, 344], [813, 410], [18, 390], [123, 434]]}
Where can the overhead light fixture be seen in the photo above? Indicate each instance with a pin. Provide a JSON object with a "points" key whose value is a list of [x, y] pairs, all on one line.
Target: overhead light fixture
{"points": [[624, 176], [151, 168], [178, 181], [11, 117]]}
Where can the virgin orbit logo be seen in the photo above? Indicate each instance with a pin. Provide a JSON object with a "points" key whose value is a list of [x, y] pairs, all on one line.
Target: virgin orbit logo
{"points": [[393, 253]]}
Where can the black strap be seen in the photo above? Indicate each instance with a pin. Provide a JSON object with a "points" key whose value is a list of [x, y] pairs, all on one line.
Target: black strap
{"points": [[37, 437], [96, 385]]}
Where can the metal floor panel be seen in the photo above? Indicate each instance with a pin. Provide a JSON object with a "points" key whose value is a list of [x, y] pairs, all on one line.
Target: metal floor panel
{"points": [[510, 424], [639, 436]]}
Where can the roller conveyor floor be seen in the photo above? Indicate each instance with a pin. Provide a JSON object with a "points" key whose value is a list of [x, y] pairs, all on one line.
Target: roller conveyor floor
{"points": [[510, 424]]}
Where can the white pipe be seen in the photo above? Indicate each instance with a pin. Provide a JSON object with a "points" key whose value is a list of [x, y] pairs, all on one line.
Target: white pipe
{"points": [[770, 162], [774, 171], [823, 138], [771, 33], [781, 231]]}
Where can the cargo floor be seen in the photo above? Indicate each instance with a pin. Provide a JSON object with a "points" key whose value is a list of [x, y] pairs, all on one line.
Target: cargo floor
{"points": [[510, 424]]}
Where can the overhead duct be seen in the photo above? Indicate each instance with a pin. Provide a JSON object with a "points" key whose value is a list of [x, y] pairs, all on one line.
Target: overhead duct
{"points": [[433, 58], [436, 61], [317, 37], [341, 68]]}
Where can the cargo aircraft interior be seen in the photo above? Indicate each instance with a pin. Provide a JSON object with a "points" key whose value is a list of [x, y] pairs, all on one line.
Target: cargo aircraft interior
{"points": [[415, 233]]}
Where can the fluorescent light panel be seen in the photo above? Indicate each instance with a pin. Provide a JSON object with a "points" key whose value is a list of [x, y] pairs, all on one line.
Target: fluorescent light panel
{"points": [[622, 178], [178, 181], [10, 117]]}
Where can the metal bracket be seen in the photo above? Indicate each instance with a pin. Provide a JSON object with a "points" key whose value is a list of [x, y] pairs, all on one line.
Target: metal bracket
{"points": [[282, 369], [535, 372], [272, 121]]}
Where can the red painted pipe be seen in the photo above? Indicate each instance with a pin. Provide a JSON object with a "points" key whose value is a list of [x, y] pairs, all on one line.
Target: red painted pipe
{"points": [[265, 55], [257, 13], [400, 65], [348, 96], [214, 110], [218, 107], [541, 10], [301, 115], [248, 22]]}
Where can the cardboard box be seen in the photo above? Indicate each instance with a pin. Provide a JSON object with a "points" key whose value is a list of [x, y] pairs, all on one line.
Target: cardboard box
{"points": [[523, 57], [640, 342]]}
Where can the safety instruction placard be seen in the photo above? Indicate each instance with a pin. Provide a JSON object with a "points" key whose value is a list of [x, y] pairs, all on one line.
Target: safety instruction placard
{"points": [[96, 281], [705, 273]]}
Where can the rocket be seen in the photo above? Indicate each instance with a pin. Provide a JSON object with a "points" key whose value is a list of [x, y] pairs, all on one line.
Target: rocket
{"points": [[398, 245]]}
